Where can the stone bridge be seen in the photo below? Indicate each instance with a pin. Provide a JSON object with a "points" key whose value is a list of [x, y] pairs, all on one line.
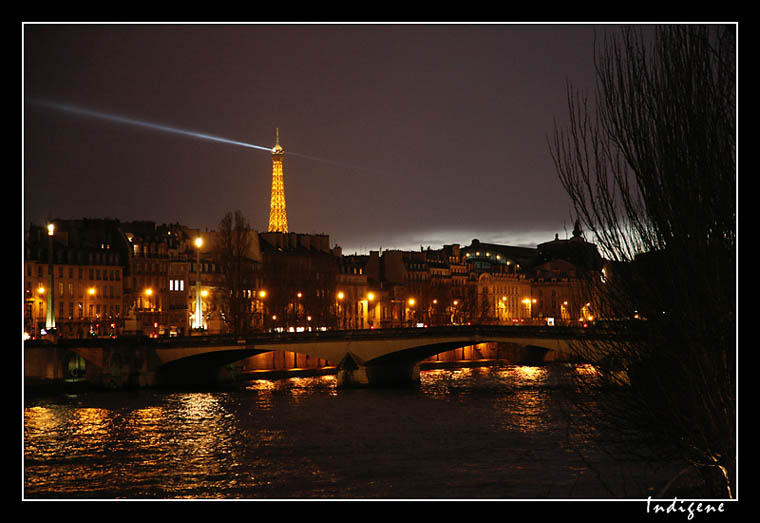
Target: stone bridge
{"points": [[362, 357]]}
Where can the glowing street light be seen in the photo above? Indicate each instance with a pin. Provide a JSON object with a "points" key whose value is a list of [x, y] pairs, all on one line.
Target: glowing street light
{"points": [[88, 307], [198, 318], [529, 305], [50, 313], [148, 293], [411, 312], [341, 315]]}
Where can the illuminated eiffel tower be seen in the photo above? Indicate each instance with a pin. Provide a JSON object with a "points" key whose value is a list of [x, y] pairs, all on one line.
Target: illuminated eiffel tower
{"points": [[278, 218]]}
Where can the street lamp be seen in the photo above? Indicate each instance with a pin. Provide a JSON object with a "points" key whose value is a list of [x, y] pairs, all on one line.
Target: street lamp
{"points": [[371, 310], [40, 292], [198, 319], [204, 294], [260, 307], [91, 292], [341, 318], [88, 307], [50, 313], [297, 308], [411, 311], [529, 306]]}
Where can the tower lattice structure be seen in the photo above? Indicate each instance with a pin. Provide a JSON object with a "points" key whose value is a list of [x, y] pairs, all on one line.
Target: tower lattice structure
{"points": [[278, 217]]}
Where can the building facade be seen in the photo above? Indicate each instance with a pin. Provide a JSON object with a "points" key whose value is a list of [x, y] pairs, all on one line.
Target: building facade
{"points": [[110, 278], [78, 274]]}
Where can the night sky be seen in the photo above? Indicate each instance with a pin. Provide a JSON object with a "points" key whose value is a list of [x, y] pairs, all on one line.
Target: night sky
{"points": [[396, 135]]}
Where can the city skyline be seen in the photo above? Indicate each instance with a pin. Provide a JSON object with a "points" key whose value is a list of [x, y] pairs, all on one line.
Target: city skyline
{"points": [[432, 134]]}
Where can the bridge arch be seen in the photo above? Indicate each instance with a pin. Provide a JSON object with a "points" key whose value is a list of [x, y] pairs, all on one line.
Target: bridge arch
{"points": [[200, 359], [203, 368]]}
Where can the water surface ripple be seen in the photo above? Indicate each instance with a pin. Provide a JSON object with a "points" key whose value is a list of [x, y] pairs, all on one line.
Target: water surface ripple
{"points": [[481, 433]]}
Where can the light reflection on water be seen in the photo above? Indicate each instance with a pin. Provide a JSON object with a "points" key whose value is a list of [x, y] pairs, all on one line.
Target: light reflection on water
{"points": [[497, 432]]}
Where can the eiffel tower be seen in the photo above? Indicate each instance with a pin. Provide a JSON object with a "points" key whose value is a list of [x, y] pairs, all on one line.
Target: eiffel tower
{"points": [[278, 218]]}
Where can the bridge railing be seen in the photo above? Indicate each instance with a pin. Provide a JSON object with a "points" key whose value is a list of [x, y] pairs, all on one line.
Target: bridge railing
{"points": [[474, 331]]}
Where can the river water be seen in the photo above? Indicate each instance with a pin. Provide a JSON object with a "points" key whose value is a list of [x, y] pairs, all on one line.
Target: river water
{"points": [[499, 432]]}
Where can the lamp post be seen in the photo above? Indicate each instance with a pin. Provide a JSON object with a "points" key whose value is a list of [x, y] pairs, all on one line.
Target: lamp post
{"points": [[299, 295], [50, 313], [529, 306], [198, 319], [371, 310], [341, 319], [411, 311], [204, 294], [260, 307], [91, 292]]}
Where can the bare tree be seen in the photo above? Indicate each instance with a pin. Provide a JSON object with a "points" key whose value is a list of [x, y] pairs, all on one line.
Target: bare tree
{"points": [[232, 255], [650, 167]]}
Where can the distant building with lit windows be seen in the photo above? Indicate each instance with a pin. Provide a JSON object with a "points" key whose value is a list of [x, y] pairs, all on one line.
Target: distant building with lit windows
{"points": [[90, 260], [110, 278], [564, 277], [298, 275], [165, 268]]}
